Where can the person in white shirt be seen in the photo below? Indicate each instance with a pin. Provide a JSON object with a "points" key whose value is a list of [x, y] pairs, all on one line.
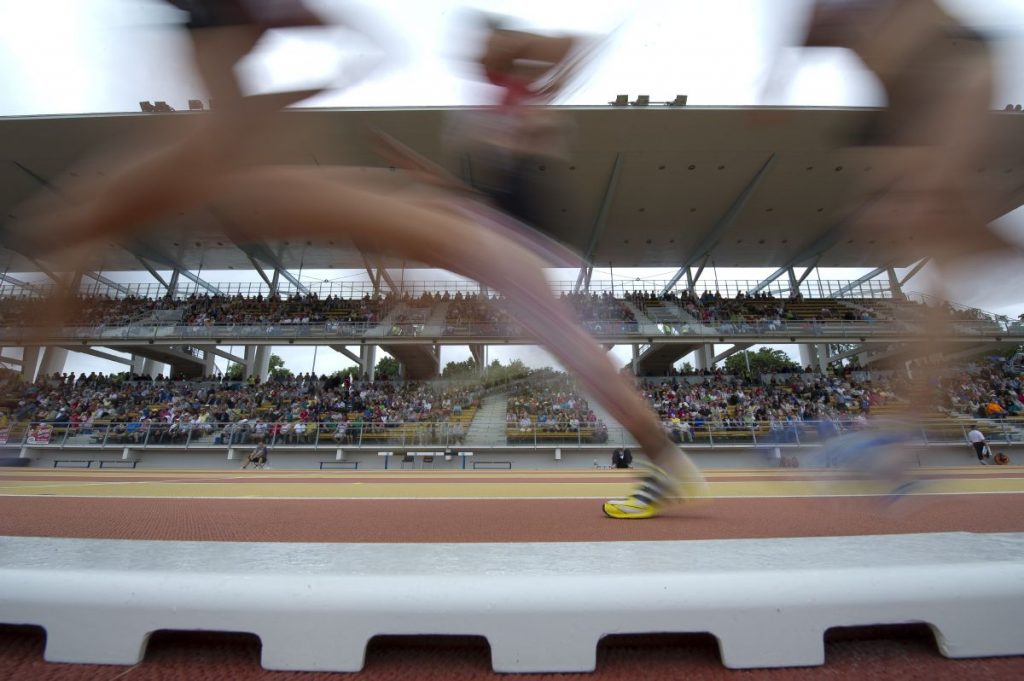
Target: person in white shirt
{"points": [[977, 440]]}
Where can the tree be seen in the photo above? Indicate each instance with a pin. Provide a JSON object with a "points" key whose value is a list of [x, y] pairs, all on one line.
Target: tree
{"points": [[235, 372], [352, 371], [457, 370], [277, 372], [764, 361], [387, 368]]}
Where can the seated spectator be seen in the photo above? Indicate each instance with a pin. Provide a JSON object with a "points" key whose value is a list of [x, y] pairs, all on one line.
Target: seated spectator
{"points": [[258, 457]]}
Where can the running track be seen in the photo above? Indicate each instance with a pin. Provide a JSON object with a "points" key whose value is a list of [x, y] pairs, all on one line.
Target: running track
{"points": [[475, 506]]}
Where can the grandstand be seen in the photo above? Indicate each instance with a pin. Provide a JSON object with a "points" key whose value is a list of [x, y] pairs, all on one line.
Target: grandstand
{"points": [[679, 187], [685, 188]]}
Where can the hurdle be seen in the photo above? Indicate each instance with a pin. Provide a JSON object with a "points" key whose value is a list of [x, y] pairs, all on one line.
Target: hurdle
{"points": [[543, 607]]}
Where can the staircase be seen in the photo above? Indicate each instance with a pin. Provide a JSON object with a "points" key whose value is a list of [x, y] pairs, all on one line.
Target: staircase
{"points": [[435, 323], [488, 425], [645, 324]]}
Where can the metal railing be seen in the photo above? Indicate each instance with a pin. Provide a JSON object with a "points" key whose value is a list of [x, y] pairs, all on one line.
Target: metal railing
{"points": [[356, 290], [371, 435], [767, 330]]}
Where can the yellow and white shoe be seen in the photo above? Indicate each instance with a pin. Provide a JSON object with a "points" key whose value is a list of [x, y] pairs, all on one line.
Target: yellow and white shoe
{"points": [[658, 488], [630, 508], [654, 491]]}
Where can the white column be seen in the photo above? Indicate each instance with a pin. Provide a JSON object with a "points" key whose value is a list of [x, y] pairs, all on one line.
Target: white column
{"points": [[209, 368], [53, 360], [822, 351], [153, 368], [29, 362], [249, 362], [261, 363], [808, 355], [636, 358], [704, 357], [368, 363]]}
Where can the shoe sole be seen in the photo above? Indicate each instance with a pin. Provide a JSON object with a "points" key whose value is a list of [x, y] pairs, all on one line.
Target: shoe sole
{"points": [[629, 516]]}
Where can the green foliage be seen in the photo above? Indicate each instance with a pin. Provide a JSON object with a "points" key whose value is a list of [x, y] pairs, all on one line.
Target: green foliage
{"points": [[764, 361], [235, 372], [277, 370], [387, 368], [460, 370]]}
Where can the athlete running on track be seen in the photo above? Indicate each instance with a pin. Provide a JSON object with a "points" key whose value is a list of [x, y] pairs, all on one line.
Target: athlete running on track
{"points": [[926, 146], [422, 224]]}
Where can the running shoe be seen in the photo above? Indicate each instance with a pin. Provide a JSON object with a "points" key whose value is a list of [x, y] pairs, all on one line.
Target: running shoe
{"points": [[655, 490]]}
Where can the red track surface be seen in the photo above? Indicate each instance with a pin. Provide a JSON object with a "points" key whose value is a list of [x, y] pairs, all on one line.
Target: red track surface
{"points": [[471, 520], [877, 653]]}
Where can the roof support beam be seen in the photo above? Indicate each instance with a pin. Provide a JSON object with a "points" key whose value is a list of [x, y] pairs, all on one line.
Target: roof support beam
{"points": [[5, 359], [859, 350], [14, 281], [57, 279], [814, 250], [377, 273], [142, 249], [153, 273], [725, 354], [293, 280], [98, 353], [259, 271], [96, 276], [783, 270], [769, 279], [173, 285], [854, 284], [202, 283], [894, 282], [914, 270], [711, 239], [213, 349], [586, 272], [692, 281], [258, 251], [601, 221], [373, 273], [341, 349], [807, 272]]}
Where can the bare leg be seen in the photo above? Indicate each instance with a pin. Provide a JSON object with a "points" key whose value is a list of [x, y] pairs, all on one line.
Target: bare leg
{"points": [[284, 198], [174, 177]]}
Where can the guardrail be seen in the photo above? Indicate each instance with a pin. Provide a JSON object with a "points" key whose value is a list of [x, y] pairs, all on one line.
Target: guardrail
{"points": [[877, 289], [372, 435], [326, 333]]}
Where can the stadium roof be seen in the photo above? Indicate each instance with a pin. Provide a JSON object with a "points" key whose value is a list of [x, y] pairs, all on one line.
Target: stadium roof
{"points": [[648, 186]]}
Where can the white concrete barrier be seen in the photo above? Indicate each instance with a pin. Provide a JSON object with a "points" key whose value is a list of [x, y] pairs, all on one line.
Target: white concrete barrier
{"points": [[542, 607]]}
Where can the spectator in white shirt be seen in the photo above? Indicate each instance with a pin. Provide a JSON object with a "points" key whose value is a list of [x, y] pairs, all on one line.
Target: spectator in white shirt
{"points": [[977, 440]]}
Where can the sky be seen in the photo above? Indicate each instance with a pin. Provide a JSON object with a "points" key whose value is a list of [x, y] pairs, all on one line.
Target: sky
{"points": [[89, 56]]}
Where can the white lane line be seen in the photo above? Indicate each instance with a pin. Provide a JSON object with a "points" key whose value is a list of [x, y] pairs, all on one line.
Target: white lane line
{"points": [[559, 498], [80, 483]]}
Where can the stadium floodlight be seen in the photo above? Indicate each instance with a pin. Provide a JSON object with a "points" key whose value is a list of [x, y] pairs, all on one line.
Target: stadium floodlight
{"points": [[680, 100], [642, 100], [620, 100], [195, 105], [163, 107], [147, 107]]}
